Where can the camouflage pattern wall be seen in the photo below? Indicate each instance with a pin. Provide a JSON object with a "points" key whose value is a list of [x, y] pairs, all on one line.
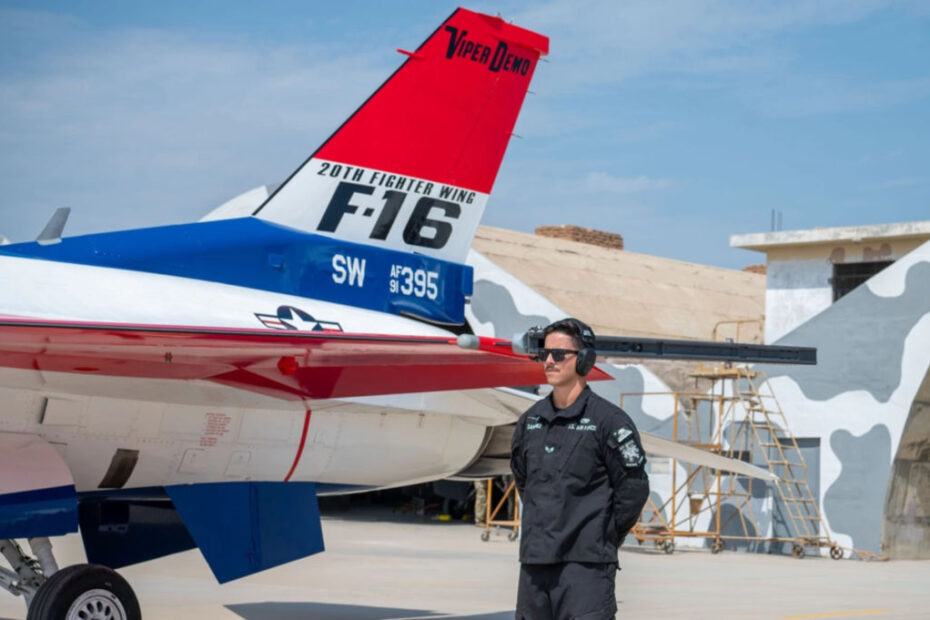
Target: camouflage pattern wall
{"points": [[866, 404]]}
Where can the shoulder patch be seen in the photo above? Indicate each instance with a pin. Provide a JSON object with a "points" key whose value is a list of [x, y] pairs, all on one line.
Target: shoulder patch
{"points": [[631, 454], [621, 434]]}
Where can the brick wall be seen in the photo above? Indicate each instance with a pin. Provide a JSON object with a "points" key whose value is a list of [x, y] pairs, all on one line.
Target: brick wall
{"points": [[582, 235]]}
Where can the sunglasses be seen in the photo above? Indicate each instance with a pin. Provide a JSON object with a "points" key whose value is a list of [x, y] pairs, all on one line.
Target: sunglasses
{"points": [[558, 355]]}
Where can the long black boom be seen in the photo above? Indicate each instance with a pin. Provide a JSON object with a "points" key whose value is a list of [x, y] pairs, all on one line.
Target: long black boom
{"points": [[532, 341]]}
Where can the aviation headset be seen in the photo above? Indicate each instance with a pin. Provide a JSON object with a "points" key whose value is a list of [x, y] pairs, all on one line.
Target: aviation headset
{"points": [[587, 356]]}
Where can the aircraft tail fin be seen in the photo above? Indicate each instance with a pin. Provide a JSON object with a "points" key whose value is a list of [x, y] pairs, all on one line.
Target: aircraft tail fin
{"points": [[412, 168]]}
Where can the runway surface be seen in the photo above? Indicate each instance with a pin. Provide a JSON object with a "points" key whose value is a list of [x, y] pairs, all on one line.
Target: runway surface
{"points": [[382, 566]]}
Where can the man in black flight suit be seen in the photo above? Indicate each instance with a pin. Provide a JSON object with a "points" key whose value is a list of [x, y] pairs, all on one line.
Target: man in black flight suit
{"points": [[580, 469]]}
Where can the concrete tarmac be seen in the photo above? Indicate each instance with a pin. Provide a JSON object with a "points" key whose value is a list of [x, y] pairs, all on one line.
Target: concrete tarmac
{"points": [[383, 566]]}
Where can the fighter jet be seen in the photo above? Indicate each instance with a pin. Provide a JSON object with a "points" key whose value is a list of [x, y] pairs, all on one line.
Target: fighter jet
{"points": [[199, 385]]}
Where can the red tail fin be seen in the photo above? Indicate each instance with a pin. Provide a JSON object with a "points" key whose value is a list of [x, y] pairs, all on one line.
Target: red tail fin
{"points": [[412, 167]]}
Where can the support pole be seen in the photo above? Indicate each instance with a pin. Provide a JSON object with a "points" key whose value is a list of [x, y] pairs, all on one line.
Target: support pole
{"points": [[26, 576], [42, 548]]}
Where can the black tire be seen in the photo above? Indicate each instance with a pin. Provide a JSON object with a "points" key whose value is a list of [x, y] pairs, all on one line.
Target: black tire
{"points": [[485, 535], [836, 553], [88, 587], [717, 546], [797, 551], [512, 536], [669, 547]]}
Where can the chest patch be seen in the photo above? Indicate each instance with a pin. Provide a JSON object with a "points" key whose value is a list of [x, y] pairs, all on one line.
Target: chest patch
{"points": [[582, 425], [631, 454]]}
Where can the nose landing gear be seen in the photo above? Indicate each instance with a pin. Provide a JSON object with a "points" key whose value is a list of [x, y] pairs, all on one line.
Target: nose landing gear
{"points": [[79, 592], [85, 592]]}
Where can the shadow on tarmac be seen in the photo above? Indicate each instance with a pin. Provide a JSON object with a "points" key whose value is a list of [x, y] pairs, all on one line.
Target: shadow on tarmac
{"points": [[333, 611]]}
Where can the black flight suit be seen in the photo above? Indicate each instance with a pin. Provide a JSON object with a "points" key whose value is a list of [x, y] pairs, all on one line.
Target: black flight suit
{"points": [[581, 474]]}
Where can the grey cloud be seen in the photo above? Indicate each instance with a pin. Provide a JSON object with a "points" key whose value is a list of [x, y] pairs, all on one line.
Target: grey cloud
{"points": [[899, 183], [810, 95], [143, 127], [638, 36]]}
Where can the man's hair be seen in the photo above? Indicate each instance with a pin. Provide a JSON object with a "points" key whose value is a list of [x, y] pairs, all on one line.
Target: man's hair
{"points": [[582, 335]]}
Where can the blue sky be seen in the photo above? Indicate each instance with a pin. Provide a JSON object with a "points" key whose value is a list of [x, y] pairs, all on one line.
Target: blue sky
{"points": [[675, 124]]}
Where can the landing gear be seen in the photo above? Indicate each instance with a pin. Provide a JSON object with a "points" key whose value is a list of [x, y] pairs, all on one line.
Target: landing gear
{"points": [[28, 573], [797, 551], [669, 547], [85, 592], [80, 592], [836, 553], [717, 546]]}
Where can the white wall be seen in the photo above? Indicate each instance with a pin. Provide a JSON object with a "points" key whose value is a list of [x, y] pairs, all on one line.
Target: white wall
{"points": [[798, 285], [796, 290]]}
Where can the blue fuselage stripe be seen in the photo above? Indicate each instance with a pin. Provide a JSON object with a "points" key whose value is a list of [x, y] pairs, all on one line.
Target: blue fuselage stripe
{"points": [[257, 254], [50, 494], [38, 512]]}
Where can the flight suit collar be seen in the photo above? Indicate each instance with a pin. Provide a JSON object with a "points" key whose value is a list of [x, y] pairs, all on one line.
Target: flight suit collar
{"points": [[572, 411]]}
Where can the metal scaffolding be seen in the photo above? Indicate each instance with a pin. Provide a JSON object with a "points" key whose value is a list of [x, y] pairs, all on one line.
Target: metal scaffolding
{"points": [[738, 417], [508, 501]]}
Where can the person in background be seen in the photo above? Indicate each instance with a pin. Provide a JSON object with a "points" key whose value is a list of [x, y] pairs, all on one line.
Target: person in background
{"points": [[481, 501]]}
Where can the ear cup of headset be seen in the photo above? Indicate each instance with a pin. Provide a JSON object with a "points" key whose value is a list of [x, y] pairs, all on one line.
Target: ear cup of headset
{"points": [[585, 361], [587, 356]]}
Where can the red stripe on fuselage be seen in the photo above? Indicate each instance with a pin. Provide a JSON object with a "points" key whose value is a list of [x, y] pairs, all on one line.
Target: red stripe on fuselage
{"points": [[300, 448]]}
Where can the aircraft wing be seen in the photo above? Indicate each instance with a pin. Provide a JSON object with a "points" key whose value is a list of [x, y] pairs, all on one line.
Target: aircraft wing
{"points": [[499, 464], [283, 364], [697, 456]]}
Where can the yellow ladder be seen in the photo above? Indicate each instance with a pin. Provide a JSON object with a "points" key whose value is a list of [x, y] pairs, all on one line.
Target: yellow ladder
{"points": [[779, 448]]}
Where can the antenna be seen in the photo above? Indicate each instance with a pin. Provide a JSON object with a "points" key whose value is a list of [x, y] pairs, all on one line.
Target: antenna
{"points": [[776, 220]]}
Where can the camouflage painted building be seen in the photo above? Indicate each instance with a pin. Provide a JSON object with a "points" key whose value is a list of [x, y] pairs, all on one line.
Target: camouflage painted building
{"points": [[862, 415], [862, 296]]}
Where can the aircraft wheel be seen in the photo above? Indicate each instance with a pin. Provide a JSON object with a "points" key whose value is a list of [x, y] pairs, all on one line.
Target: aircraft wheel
{"points": [[717, 546], [486, 536], [836, 553], [669, 547], [512, 536], [85, 592], [797, 551]]}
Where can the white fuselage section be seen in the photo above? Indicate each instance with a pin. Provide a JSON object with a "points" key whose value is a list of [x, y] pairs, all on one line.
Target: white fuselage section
{"points": [[200, 431]]}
